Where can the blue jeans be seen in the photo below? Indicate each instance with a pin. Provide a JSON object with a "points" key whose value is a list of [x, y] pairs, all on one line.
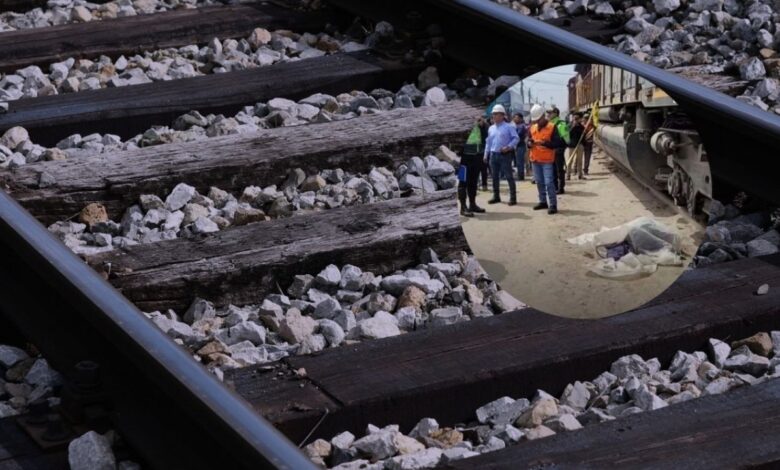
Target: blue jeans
{"points": [[520, 161], [544, 174], [501, 165]]}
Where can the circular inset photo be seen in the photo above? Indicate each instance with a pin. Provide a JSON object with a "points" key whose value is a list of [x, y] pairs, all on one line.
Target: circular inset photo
{"points": [[583, 190]]}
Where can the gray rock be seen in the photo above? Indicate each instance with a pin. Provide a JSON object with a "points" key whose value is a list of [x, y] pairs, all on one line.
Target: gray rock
{"points": [[351, 278], [504, 302], [647, 400], [664, 7], [593, 416], [91, 451], [630, 366], [300, 285], [761, 248], [332, 332], [204, 225], [752, 69], [328, 308], [456, 453], [11, 355], [246, 331], [718, 351], [346, 320], [718, 386], [40, 374], [743, 360], [446, 316], [424, 428], [503, 411]]}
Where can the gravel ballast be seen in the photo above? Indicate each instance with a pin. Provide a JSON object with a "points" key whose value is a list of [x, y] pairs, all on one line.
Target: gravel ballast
{"points": [[340, 305], [632, 385]]}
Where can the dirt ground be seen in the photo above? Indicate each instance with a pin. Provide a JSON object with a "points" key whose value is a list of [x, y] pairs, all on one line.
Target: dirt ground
{"points": [[526, 251]]}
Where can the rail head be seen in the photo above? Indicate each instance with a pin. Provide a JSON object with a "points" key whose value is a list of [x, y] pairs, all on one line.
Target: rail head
{"points": [[165, 366]]}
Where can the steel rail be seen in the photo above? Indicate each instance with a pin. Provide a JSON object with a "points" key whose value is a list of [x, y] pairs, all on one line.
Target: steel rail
{"points": [[169, 407], [741, 140]]}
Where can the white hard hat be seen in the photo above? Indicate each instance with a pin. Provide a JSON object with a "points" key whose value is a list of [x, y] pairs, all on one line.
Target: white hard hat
{"points": [[499, 109], [536, 112]]}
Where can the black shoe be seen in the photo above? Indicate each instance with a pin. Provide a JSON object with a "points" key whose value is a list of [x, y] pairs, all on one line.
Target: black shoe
{"points": [[484, 188], [552, 210], [511, 202], [522, 178], [476, 209], [540, 206], [560, 191], [495, 200], [533, 181], [466, 213]]}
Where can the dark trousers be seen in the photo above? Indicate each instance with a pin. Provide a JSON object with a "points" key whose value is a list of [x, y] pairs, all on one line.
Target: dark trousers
{"points": [[588, 148], [501, 166], [483, 172], [474, 165], [560, 169]]}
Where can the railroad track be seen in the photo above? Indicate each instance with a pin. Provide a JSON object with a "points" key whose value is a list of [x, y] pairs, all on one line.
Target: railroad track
{"points": [[173, 413]]}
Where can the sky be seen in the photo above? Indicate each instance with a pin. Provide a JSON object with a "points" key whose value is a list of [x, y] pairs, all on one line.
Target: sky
{"points": [[549, 86]]}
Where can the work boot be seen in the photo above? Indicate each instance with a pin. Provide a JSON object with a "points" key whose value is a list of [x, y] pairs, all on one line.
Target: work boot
{"points": [[552, 210], [512, 202], [495, 200], [540, 206], [465, 212], [476, 209]]}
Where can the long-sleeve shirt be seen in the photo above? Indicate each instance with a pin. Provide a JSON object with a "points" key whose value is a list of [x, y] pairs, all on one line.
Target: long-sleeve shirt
{"points": [[499, 136]]}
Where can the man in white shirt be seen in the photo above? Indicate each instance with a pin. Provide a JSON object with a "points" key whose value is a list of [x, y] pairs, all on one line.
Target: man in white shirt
{"points": [[499, 153]]}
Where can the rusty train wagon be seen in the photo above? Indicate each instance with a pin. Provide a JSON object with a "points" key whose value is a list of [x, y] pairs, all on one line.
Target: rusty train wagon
{"points": [[643, 129]]}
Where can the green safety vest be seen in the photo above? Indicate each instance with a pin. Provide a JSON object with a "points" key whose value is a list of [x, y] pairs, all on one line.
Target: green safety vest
{"points": [[563, 129], [474, 142]]}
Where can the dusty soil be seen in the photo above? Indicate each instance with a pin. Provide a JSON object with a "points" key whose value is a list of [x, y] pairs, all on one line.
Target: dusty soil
{"points": [[526, 251]]}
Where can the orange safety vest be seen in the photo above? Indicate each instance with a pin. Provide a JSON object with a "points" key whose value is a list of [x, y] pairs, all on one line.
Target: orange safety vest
{"points": [[540, 154]]}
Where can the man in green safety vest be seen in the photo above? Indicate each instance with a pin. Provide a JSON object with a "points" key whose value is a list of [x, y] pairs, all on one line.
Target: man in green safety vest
{"points": [[468, 173], [554, 116]]}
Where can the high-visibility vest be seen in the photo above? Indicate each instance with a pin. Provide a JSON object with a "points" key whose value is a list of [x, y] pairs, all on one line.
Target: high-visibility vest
{"points": [[540, 154], [563, 129]]}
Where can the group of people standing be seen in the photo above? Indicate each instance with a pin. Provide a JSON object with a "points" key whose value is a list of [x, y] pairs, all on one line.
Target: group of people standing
{"points": [[499, 145]]}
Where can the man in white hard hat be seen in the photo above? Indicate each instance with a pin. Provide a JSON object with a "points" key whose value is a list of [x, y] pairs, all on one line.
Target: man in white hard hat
{"points": [[543, 141], [499, 153]]}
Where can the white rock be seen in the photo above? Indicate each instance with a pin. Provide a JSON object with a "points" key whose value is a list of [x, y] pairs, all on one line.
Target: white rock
{"points": [[428, 458], [343, 440], [179, 197], [379, 326], [564, 422], [718, 351], [424, 428], [378, 445]]}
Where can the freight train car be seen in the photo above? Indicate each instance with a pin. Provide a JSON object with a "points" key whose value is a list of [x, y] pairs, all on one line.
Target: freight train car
{"points": [[643, 129]]}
